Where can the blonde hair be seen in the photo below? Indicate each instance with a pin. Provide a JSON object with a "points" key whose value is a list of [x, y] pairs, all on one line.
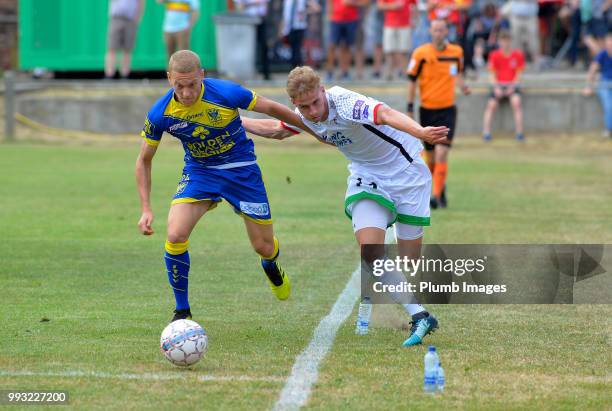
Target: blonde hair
{"points": [[184, 61], [302, 80]]}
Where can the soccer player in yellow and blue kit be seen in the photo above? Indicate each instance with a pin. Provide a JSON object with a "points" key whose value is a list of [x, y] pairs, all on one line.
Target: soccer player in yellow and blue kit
{"points": [[220, 163]]}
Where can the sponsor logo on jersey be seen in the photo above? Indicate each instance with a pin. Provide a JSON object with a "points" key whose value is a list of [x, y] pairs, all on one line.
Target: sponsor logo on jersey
{"points": [[366, 111], [260, 209], [178, 126], [357, 109], [211, 146], [338, 139], [200, 132], [190, 117]]}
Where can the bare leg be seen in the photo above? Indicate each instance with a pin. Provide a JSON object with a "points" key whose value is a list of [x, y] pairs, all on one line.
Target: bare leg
{"points": [[345, 59], [170, 40], [402, 63], [331, 57], [515, 102], [109, 63], [441, 153], [126, 63], [183, 39], [183, 217], [261, 237], [488, 116], [378, 59]]}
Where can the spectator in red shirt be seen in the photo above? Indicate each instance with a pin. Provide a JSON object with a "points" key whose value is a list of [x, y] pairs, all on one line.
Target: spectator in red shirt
{"points": [[506, 65], [397, 36], [344, 22]]}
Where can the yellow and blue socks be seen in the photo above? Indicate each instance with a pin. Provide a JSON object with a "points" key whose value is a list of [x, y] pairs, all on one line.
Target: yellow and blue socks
{"points": [[271, 268], [177, 266]]}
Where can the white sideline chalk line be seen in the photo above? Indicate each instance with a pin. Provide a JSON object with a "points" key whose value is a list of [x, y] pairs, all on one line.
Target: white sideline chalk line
{"points": [[305, 371], [145, 376]]}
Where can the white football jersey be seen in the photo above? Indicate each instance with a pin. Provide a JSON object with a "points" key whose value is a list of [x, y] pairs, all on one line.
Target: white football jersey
{"points": [[351, 127]]}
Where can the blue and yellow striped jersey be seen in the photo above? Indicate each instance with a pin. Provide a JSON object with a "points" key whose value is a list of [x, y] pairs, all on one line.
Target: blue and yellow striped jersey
{"points": [[211, 130]]}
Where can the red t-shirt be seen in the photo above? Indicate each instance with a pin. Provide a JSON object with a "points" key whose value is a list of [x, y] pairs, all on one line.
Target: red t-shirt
{"points": [[398, 18], [341, 13], [443, 9], [506, 66]]}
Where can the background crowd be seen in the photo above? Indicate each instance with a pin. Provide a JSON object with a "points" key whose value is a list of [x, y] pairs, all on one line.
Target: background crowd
{"points": [[552, 33]]}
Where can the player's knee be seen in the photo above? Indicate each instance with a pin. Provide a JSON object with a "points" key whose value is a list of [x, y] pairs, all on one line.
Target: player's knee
{"points": [[177, 237], [264, 247], [441, 157]]}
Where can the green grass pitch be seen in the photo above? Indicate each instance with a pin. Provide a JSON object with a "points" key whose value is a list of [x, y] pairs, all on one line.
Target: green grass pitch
{"points": [[71, 253]]}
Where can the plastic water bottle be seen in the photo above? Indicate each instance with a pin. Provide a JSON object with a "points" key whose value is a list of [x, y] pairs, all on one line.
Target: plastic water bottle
{"points": [[431, 370], [440, 380], [363, 317]]}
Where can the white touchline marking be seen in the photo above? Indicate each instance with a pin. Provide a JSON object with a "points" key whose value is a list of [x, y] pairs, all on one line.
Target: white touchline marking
{"points": [[145, 376], [305, 371]]}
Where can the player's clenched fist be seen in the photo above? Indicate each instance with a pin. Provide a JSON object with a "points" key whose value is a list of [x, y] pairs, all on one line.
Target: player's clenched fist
{"points": [[435, 135], [145, 223]]}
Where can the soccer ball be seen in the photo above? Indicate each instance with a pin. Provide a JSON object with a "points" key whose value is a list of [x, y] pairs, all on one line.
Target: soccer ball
{"points": [[183, 342]]}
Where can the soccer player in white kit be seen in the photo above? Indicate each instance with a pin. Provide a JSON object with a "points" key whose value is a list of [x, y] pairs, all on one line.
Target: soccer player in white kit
{"points": [[389, 183]]}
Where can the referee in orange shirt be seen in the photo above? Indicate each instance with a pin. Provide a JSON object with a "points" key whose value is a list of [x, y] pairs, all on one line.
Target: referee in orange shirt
{"points": [[437, 66]]}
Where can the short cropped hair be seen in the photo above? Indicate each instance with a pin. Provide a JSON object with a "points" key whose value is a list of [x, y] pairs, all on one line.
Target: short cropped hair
{"points": [[184, 61], [302, 80]]}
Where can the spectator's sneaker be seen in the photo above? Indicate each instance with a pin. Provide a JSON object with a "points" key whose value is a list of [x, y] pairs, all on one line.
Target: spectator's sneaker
{"points": [[376, 75], [181, 315], [487, 137], [520, 137], [345, 77], [422, 324], [329, 76]]}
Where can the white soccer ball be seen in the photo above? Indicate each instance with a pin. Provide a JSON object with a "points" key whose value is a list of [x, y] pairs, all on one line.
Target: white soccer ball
{"points": [[183, 342]]}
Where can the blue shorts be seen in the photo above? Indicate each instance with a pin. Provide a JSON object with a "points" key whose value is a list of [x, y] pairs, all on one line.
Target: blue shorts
{"points": [[242, 187], [344, 33], [597, 27]]}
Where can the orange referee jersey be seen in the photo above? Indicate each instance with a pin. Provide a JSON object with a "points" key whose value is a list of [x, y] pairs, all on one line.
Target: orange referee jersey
{"points": [[436, 72]]}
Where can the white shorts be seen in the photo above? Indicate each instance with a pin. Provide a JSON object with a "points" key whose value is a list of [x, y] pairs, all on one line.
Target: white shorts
{"points": [[405, 194], [397, 39], [369, 214]]}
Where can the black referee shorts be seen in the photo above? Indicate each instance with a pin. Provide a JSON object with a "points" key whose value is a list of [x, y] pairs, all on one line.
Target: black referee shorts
{"points": [[439, 117]]}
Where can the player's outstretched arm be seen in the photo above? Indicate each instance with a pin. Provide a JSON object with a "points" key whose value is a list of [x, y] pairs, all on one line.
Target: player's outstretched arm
{"points": [[393, 118], [281, 112], [266, 128], [143, 183]]}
